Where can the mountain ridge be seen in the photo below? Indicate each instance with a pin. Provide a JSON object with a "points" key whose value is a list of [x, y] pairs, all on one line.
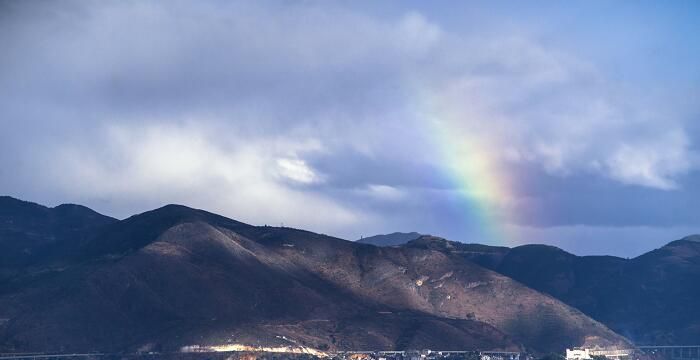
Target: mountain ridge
{"points": [[177, 276], [55, 232], [632, 296], [395, 238]]}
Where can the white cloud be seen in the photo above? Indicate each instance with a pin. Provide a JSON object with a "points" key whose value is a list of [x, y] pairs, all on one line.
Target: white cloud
{"points": [[297, 170], [189, 164], [384, 192], [653, 163], [417, 35]]}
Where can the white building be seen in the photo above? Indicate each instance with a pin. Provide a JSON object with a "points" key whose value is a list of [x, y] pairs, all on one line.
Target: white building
{"points": [[578, 354]]}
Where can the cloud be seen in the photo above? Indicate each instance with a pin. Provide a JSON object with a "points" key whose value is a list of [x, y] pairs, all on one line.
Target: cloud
{"points": [[384, 192], [536, 105], [163, 163], [654, 163], [297, 170], [276, 112], [268, 65]]}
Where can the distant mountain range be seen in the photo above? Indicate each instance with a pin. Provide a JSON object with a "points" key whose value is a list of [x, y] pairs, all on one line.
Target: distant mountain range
{"points": [[75, 280], [397, 238], [651, 299]]}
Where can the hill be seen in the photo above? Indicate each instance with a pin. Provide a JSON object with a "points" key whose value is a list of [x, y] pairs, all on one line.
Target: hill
{"points": [[397, 238], [650, 299], [177, 276], [32, 233]]}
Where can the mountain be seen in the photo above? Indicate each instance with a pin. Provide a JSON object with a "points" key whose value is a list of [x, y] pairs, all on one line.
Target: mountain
{"points": [[177, 276], [397, 238], [32, 233], [651, 299]]}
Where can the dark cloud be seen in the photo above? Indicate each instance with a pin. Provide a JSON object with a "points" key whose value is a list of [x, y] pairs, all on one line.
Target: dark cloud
{"points": [[589, 200]]}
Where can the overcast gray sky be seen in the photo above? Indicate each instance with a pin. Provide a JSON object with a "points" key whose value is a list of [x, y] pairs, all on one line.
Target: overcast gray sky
{"points": [[569, 124]]}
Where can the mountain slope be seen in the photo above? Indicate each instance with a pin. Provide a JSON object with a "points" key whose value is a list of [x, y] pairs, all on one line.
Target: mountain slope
{"points": [[206, 285], [431, 282], [177, 276], [651, 299]]}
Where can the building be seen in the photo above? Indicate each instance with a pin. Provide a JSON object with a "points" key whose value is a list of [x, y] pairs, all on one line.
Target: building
{"points": [[578, 354]]}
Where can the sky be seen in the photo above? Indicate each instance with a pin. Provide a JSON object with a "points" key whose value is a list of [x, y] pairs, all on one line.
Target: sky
{"points": [[574, 124]]}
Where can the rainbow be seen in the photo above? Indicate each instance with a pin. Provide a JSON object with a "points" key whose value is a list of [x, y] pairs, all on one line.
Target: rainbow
{"points": [[473, 170]]}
